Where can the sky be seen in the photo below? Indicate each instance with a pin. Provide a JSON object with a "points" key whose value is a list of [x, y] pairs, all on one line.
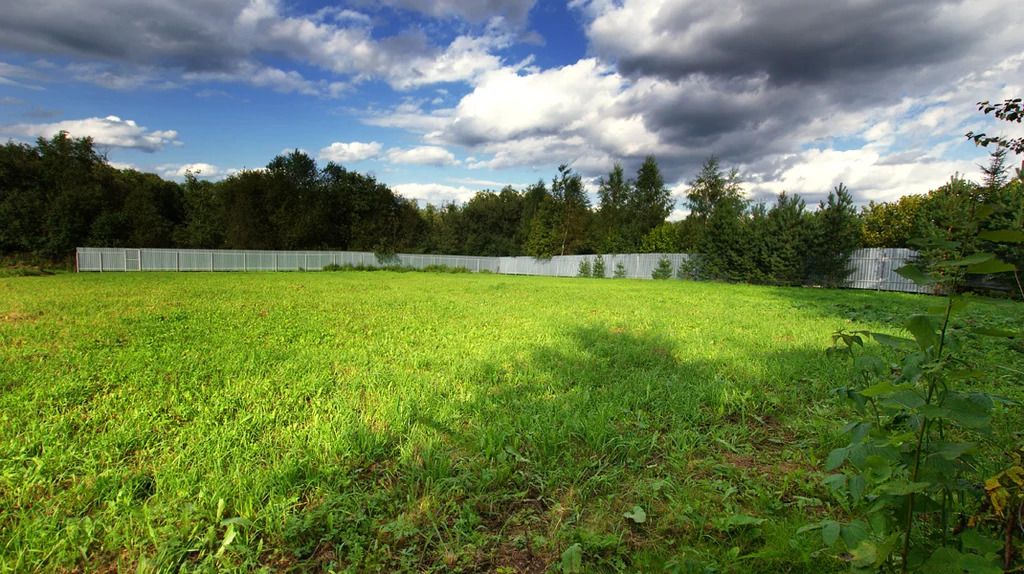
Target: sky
{"points": [[440, 99]]}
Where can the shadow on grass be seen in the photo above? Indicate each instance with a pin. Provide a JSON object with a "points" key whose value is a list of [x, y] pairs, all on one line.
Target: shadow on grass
{"points": [[553, 448]]}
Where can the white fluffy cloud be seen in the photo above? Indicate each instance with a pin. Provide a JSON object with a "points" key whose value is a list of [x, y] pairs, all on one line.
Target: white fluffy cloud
{"points": [[200, 170], [405, 61], [350, 152], [434, 193], [110, 131], [579, 114], [422, 155]]}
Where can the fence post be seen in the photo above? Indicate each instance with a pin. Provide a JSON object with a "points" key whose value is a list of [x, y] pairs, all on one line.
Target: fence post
{"points": [[177, 260], [881, 271], [211, 261], [101, 262]]}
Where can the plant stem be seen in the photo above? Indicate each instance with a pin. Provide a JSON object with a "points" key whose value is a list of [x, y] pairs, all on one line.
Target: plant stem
{"points": [[953, 284]]}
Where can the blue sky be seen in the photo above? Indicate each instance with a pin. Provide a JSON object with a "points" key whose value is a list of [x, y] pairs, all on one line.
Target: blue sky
{"points": [[441, 99]]}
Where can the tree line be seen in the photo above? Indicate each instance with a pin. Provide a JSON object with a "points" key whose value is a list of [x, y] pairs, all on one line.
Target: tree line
{"points": [[60, 193]]}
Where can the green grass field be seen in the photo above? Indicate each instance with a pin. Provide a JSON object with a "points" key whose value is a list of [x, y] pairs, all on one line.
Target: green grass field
{"points": [[424, 422]]}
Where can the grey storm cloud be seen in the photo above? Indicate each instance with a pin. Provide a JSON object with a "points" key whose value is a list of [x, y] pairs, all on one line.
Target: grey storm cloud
{"points": [[192, 34], [751, 76], [843, 46], [803, 41], [231, 38], [513, 11]]}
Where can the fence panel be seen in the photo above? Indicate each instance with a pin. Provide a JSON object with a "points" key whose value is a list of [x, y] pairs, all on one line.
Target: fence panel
{"points": [[872, 268], [876, 269]]}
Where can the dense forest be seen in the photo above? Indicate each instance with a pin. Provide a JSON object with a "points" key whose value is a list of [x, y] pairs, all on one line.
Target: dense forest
{"points": [[60, 193]]}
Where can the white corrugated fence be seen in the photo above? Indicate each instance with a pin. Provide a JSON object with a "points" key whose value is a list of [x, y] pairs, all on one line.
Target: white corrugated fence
{"points": [[872, 268]]}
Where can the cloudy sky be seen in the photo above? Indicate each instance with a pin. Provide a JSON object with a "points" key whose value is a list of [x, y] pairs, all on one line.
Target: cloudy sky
{"points": [[443, 98]]}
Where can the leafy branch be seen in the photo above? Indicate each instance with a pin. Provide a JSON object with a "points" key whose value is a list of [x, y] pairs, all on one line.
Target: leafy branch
{"points": [[1008, 110]]}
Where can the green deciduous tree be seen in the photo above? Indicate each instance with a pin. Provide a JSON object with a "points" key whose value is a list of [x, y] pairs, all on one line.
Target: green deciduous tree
{"points": [[711, 189], [891, 224]]}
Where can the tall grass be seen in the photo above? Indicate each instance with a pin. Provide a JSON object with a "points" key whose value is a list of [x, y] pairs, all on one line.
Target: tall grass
{"points": [[417, 422]]}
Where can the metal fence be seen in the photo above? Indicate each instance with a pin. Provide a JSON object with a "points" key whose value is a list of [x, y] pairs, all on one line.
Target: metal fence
{"points": [[873, 268], [876, 269]]}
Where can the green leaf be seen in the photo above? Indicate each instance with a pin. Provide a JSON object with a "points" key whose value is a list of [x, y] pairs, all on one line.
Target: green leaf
{"points": [[572, 559], [859, 431], [901, 489], [943, 561], [953, 450], [974, 259], [991, 332], [989, 267], [968, 411], [836, 458], [974, 564], [1003, 398], [738, 520], [637, 515], [924, 328], [882, 388], [835, 481], [229, 537], [864, 555], [918, 276], [857, 487], [829, 532], [854, 533], [876, 469], [893, 342], [869, 364], [904, 398], [1002, 236], [926, 242], [983, 544]]}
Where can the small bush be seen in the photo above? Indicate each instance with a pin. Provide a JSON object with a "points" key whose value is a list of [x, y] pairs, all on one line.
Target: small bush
{"points": [[23, 271], [620, 271], [584, 270], [442, 268], [598, 269], [435, 268], [663, 270], [349, 267]]}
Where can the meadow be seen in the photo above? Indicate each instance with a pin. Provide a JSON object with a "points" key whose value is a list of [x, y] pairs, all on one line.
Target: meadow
{"points": [[357, 421]]}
